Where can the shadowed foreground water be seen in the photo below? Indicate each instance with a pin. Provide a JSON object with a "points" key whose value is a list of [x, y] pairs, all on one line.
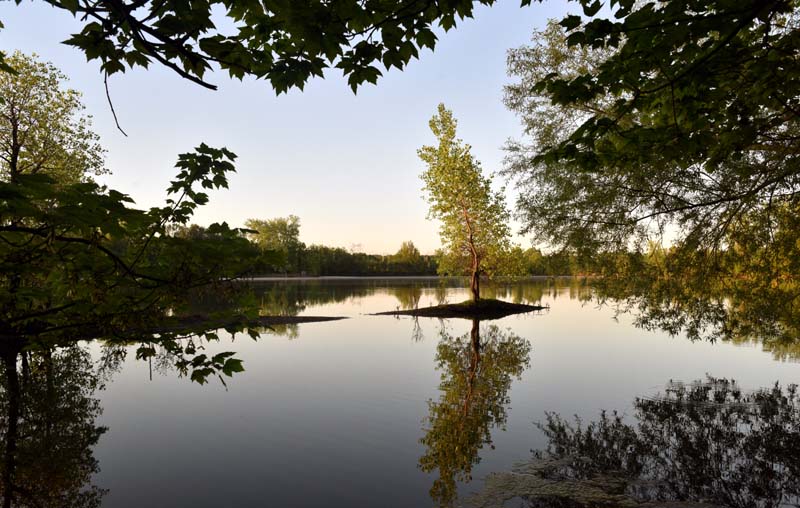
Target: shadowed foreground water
{"points": [[385, 411]]}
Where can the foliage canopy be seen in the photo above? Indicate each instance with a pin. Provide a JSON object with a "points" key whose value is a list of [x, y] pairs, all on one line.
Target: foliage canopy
{"points": [[284, 42], [279, 241], [42, 128], [76, 260], [670, 116], [474, 219]]}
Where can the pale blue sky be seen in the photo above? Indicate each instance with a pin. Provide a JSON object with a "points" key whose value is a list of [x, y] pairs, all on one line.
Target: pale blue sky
{"points": [[345, 164]]}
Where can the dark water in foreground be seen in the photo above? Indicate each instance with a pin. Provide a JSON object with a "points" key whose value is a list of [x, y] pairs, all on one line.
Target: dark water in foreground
{"points": [[381, 411]]}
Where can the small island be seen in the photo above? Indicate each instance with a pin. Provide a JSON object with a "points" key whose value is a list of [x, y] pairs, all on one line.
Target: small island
{"points": [[471, 309], [474, 223]]}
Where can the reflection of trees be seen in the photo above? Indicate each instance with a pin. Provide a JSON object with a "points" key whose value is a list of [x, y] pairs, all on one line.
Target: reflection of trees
{"points": [[293, 297], [280, 301], [48, 411], [48, 428], [288, 298], [408, 296], [533, 291], [477, 370], [702, 443], [712, 309], [520, 293]]}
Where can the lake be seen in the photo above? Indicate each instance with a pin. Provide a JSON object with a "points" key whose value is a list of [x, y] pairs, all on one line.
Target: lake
{"points": [[381, 410]]}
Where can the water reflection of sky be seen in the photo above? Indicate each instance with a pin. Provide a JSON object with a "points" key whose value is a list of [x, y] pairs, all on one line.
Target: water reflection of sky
{"points": [[333, 417]]}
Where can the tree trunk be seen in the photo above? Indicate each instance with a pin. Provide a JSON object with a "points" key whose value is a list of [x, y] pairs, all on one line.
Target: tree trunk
{"points": [[13, 162], [9, 456], [475, 282]]}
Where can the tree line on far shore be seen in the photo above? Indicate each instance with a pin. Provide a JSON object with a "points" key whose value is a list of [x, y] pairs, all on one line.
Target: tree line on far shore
{"points": [[277, 250]]}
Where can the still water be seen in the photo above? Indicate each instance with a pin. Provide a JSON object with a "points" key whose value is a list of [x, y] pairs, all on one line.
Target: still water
{"points": [[386, 411]]}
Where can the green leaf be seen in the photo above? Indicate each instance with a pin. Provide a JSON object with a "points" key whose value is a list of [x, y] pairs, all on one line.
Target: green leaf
{"points": [[571, 22], [593, 8], [232, 366]]}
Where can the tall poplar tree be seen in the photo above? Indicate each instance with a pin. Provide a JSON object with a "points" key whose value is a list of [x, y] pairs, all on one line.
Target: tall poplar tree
{"points": [[474, 218]]}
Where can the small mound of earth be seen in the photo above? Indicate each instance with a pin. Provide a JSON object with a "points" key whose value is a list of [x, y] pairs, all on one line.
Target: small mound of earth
{"points": [[480, 309]]}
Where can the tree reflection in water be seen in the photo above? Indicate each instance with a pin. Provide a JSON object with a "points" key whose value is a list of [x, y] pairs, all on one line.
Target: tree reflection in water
{"points": [[48, 427], [477, 370], [737, 310], [48, 412], [703, 444]]}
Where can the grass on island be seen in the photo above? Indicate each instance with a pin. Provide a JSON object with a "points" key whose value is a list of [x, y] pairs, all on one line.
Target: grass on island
{"points": [[480, 309]]}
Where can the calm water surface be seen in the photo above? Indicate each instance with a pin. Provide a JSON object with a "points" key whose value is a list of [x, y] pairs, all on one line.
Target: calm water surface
{"points": [[384, 411]]}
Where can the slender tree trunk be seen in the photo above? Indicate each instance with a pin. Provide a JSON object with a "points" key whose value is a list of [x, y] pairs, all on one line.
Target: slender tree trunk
{"points": [[50, 390], [13, 163], [475, 281], [9, 458], [26, 369], [13, 172]]}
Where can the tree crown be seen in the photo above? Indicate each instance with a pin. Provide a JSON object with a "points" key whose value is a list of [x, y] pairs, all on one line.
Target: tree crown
{"points": [[474, 219], [42, 126]]}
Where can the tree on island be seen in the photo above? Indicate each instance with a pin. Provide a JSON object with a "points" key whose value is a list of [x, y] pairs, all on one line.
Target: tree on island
{"points": [[474, 219]]}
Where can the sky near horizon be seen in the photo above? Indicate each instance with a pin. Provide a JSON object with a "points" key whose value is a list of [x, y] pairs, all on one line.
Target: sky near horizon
{"points": [[345, 164]]}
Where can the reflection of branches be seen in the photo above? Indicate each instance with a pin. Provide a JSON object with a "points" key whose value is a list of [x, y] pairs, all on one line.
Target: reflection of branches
{"points": [[48, 428], [408, 296], [441, 293], [416, 332], [733, 311], [700, 443], [290, 331], [476, 376], [112, 357]]}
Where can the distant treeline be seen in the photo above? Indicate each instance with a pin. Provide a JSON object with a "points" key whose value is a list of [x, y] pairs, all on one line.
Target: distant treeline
{"points": [[322, 260], [278, 251]]}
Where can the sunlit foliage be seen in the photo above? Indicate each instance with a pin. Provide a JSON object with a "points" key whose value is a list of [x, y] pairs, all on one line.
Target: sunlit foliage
{"points": [[477, 371], [473, 217], [42, 126]]}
